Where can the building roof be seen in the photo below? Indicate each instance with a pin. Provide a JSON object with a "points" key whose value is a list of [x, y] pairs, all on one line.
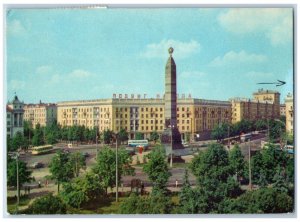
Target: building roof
{"points": [[262, 91], [8, 109]]}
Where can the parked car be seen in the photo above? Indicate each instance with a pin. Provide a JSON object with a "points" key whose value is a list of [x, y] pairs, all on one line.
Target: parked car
{"points": [[37, 165]]}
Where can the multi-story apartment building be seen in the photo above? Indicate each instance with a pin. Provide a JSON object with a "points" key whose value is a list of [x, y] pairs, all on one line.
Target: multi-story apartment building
{"points": [[264, 105], [194, 116], [42, 113], [14, 117], [289, 113], [282, 110]]}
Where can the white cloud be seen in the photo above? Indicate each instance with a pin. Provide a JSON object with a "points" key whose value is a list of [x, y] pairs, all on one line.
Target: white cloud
{"points": [[275, 23], [79, 73], [259, 75], [43, 69], [15, 27], [191, 74], [233, 57], [16, 85], [181, 49]]}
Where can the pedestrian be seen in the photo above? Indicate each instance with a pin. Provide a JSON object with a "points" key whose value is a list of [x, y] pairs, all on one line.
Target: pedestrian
{"points": [[176, 183], [39, 184]]}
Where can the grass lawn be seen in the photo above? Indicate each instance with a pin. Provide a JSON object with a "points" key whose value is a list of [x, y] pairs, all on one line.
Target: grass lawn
{"points": [[105, 206], [180, 165], [12, 204]]}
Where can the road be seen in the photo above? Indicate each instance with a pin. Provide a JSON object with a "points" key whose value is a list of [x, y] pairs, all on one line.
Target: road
{"points": [[177, 172]]}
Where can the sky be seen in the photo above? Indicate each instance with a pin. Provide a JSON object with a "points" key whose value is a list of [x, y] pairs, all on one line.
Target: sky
{"points": [[79, 54]]}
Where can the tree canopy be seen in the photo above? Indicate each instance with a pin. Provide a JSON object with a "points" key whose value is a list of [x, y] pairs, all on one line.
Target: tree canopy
{"points": [[106, 166], [48, 204], [157, 168], [61, 168]]}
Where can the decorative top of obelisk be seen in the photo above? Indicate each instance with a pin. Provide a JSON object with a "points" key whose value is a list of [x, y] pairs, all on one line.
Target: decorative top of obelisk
{"points": [[171, 50]]}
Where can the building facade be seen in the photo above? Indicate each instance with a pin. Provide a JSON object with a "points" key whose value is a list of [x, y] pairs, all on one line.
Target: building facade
{"points": [[264, 105], [289, 103], [195, 117], [282, 110], [42, 113], [14, 117]]}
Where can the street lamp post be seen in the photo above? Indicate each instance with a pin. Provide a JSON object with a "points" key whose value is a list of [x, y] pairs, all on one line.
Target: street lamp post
{"points": [[15, 155], [96, 143], [250, 176], [117, 168]]}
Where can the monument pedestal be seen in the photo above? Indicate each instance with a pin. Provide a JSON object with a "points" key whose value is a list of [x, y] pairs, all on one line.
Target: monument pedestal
{"points": [[171, 137]]}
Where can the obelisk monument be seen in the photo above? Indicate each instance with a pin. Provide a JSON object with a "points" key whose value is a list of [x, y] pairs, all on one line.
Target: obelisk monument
{"points": [[171, 138]]}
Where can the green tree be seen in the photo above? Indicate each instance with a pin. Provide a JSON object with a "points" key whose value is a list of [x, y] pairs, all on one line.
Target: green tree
{"points": [[64, 133], [237, 162], [154, 136], [267, 161], [48, 204], [276, 130], [17, 142], [123, 135], [134, 205], [157, 169], [107, 136], [60, 168], [77, 162], [186, 196], [264, 200], [82, 190], [215, 179], [139, 136], [106, 166], [261, 124], [38, 137], [51, 138], [280, 183], [219, 132], [24, 173], [159, 202], [86, 134], [28, 129]]}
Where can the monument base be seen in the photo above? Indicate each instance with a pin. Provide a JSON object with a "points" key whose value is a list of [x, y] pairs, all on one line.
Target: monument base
{"points": [[175, 142]]}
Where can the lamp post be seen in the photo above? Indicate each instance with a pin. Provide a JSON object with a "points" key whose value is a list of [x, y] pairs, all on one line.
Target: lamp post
{"points": [[250, 176], [117, 168], [15, 155]]}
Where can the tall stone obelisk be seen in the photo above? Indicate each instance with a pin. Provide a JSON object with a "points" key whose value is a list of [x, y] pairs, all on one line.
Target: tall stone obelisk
{"points": [[171, 137]]}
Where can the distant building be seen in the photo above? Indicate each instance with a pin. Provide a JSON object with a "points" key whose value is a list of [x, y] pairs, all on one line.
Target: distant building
{"points": [[264, 105], [289, 113], [282, 110], [14, 117], [196, 117], [41, 113]]}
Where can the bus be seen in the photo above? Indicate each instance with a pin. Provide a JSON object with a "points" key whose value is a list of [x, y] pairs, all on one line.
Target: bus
{"points": [[135, 143], [37, 150]]}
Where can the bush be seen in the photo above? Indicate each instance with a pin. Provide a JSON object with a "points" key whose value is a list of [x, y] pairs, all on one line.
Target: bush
{"points": [[48, 204]]}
